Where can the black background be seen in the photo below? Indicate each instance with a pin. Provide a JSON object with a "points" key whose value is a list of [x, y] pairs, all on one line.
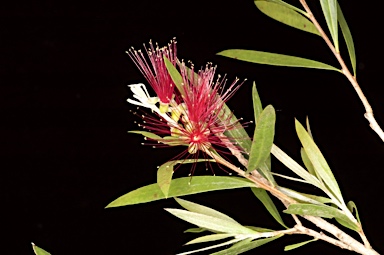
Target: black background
{"points": [[66, 152]]}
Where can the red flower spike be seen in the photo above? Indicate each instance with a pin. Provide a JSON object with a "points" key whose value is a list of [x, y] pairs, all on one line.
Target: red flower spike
{"points": [[203, 98], [155, 71]]}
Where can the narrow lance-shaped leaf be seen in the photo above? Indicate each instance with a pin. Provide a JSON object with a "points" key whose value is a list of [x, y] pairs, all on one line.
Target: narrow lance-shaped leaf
{"points": [[238, 133], [280, 2], [294, 166], [165, 172], [348, 224], [209, 238], [210, 222], [263, 196], [195, 230], [245, 245], [181, 187], [307, 162], [329, 8], [275, 59], [352, 207], [323, 211], [38, 251], [318, 161], [215, 246], [286, 15], [175, 75], [297, 245], [257, 106], [347, 37], [307, 198], [262, 141], [193, 207]]}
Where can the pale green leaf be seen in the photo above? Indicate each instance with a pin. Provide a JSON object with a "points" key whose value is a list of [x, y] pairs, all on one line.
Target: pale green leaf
{"points": [[280, 2], [262, 140], [263, 196], [209, 238], [307, 198], [259, 229], [175, 75], [165, 172], [352, 206], [290, 178], [286, 15], [275, 59], [348, 224], [294, 166], [307, 162], [211, 247], [347, 37], [323, 211], [147, 134], [193, 207], [164, 176], [245, 245], [297, 245], [38, 251], [308, 127], [210, 222], [237, 133], [318, 161], [257, 106], [181, 187], [329, 8], [195, 230]]}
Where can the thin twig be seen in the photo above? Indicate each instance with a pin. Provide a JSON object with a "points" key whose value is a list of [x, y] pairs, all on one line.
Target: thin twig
{"points": [[368, 109]]}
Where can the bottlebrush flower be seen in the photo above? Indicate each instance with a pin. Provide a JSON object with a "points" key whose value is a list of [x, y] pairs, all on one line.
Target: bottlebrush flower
{"points": [[155, 70], [195, 116]]}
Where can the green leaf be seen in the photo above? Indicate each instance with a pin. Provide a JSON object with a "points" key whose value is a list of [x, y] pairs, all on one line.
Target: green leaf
{"points": [[308, 127], [147, 134], [246, 245], [294, 166], [257, 107], [181, 187], [297, 245], [210, 222], [39, 251], [318, 161], [238, 133], [262, 141], [329, 8], [175, 75], [307, 162], [323, 211], [263, 196], [348, 224], [164, 176], [211, 247], [165, 172], [286, 15], [347, 37], [195, 230], [258, 229], [275, 59], [352, 206], [193, 207], [307, 198], [209, 238]]}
